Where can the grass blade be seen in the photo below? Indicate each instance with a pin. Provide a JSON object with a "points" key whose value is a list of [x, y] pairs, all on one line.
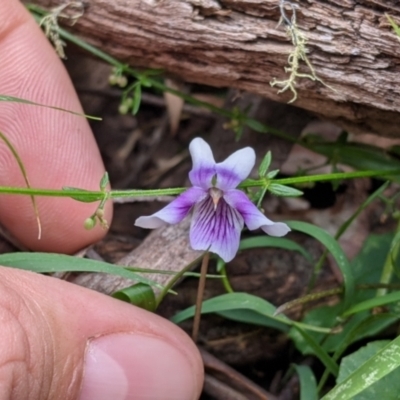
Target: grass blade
{"points": [[308, 384], [334, 248], [371, 303], [50, 262], [378, 366]]}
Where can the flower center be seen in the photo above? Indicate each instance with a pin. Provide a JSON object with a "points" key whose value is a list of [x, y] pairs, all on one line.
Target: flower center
{"points": [[216, 195]]}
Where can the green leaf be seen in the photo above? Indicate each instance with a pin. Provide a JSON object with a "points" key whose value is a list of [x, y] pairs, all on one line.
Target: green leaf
{"points": [[283, 190], [371, 371], [368, 264], [272, 174], [265, 163], [233, 301], [253, 318], [241, 301], [50, 262], [104, 181], [366, 268], [140, 295], [308, 384], [83, 195], [334, 248], [257, 126], [366, 326], [319, 351], [323, 316], [374, 302], [394, 252], [270, 241]]}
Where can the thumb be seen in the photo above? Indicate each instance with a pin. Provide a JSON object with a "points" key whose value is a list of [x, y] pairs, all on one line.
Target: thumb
{"points": [[93, 347]]}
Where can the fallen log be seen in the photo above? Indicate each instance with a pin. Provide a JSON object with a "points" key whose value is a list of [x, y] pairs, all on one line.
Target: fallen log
{"points": [[351, 48]]}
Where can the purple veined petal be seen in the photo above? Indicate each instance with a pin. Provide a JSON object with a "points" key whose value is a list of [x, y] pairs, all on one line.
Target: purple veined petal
{"points": [[252, 216], [203, 163], [217, 230], [235, 169], [175, 211]]}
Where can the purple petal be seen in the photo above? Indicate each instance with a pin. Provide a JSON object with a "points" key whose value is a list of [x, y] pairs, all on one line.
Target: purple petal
{"points": [[235, 169], [217, 230], [175, 211], [252, 216], [203, 163]]}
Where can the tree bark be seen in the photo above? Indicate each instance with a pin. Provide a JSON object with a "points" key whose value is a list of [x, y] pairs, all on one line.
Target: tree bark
{"points": [[238, 43]]}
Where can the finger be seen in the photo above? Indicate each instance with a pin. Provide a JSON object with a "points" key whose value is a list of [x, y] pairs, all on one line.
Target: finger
{"points": [[57, 148], [67, 342]]}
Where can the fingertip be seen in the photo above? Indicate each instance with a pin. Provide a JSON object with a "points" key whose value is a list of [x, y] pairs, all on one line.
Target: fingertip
{"points": [[56, 148]]}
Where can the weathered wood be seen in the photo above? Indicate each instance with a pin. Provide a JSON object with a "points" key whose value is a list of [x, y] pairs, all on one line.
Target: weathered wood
{"points": [[237, 43]]}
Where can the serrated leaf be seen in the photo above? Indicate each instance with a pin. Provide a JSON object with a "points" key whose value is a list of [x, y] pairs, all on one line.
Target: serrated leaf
{"points": [[283, 190]]}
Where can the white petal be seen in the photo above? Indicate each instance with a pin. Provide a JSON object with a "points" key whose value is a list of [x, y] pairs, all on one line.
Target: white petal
{"points": [[252, 216], [276, 229], [203, 164], [174, 212], [235, 169], [216, 229]]}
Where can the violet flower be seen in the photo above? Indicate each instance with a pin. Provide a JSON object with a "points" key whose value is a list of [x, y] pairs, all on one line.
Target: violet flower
{"points": [[219, 209]]}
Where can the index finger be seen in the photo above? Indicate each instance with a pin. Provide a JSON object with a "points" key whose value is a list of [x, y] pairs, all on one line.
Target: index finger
{"points": [[57, 148]]}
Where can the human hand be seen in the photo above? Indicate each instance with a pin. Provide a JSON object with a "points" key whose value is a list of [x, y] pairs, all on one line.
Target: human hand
{"points": [[58, 340]]}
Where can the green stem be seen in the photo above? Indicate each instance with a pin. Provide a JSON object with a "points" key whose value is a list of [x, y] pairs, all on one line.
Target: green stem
{"points": [[175, 279], [146, 192], [96, 195], [225, 280], [336, 176], [387, 271], [51, 192]]}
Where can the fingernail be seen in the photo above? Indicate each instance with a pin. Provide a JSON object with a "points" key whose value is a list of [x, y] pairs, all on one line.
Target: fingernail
{"points": [[133, 367]]}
